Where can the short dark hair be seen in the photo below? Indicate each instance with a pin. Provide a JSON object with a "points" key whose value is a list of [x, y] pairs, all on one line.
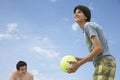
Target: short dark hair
{"points": [[86, 11], [20, 64]]}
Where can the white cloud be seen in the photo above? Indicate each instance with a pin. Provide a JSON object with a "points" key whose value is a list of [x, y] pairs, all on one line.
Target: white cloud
{"points": [[45, 39], [11, 32], [5, 36], [45, 42], [46, 52], [36, 74], [39, 76], [66, 19], [9, 36], [75, 26], [91, 6], [11, 27], [52, 1]]}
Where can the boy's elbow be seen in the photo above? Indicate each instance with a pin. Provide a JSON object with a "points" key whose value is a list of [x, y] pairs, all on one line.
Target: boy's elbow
{"points": [[99, 50]]}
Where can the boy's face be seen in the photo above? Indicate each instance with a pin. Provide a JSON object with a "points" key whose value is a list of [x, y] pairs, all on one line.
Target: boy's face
{"points": [[79, 16], [23, 70]]}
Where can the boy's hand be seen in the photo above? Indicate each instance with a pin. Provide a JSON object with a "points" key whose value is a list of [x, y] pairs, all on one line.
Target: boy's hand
{"points": [[74, 67]]}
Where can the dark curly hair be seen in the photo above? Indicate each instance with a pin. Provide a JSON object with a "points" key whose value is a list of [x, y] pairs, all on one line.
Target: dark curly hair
{"points": [[20, 64], [86, 11]]}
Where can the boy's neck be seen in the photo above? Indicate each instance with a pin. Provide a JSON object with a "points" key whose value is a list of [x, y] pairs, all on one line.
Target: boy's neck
{"points": [[81, 24]]}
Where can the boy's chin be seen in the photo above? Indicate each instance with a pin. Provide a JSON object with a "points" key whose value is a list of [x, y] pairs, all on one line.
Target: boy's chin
{"points": [[77, 21]]}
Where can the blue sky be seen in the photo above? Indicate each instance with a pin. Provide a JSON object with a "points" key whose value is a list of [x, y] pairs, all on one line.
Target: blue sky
{"points": [[41, 32]]}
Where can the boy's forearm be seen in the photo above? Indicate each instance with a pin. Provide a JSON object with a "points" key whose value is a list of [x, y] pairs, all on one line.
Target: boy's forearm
{"points": [[78, 59]]}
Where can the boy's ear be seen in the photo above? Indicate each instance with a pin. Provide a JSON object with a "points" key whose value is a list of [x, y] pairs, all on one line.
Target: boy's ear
{"points": [[85, 17]]}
